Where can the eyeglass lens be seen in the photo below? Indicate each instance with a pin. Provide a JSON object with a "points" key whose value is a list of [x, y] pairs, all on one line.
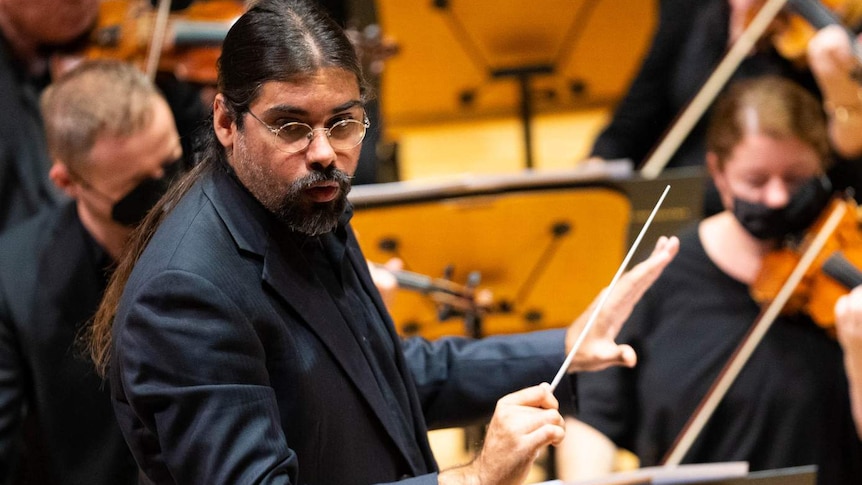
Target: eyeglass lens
{"points": [[342, 135]]}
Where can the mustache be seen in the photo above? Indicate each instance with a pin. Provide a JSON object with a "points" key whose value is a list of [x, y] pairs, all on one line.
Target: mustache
{"points": [[331, 174]]}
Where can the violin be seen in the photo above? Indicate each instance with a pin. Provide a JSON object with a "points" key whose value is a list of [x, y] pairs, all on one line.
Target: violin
{"points": [[190, 38], [832, 272], [806, 17]]}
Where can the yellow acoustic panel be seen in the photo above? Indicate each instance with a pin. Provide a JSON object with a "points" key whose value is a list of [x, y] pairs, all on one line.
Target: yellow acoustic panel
{"points": [[448, 49], [543, 252]]}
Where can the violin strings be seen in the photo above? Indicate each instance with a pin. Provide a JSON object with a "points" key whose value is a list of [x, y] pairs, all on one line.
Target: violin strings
{"points": [[606, 293]]}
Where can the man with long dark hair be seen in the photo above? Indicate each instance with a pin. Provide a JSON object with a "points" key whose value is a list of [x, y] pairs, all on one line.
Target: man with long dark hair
{"points": [[242, 334]]}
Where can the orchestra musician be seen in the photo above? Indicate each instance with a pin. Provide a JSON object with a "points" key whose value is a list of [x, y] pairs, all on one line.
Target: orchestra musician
{"points": [[690, 40], [27, 38], [242, 336], [34, 37], [768, 150], [113, 140]]}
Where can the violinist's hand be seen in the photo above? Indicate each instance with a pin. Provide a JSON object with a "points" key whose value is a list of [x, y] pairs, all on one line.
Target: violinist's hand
{"points": [[524, 423], [848, 329], [848, 320], [599, 350], [384, 280], [831, 59], [830, 54]]}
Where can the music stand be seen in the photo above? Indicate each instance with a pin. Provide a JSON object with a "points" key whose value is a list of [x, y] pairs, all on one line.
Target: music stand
{"points": [[523, 73]]}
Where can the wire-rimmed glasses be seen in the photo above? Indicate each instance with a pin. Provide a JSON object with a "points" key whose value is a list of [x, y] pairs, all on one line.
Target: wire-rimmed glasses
{"points": [[295, 137]]}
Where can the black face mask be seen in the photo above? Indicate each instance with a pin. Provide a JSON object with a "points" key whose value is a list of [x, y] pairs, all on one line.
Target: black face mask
{"points": [[767, 223], [134, 206]]}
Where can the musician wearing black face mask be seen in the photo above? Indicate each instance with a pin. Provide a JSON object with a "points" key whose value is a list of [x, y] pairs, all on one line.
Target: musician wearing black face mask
{"points": [[114, 147], [791, 403], [773, 223], [131, 208]]}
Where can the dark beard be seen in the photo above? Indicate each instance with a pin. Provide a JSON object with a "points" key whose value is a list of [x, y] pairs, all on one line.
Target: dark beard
{"points": [[312, 218], [288, 204]]}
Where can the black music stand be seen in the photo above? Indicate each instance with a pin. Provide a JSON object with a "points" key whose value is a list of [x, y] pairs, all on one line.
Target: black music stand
{"points": [[524, 74], [683, 205]]}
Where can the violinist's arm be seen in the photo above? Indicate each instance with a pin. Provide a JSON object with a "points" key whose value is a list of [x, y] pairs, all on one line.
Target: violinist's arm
{"points": [[832, 62], [584, 453], [848, 326]]}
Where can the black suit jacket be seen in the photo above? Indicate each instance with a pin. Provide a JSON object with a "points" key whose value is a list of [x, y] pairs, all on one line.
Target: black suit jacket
{"points": [[24, 162], [56, 421], [232, 364]]}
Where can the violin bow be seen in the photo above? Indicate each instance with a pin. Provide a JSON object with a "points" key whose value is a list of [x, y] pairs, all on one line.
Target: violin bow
{"points": [[750, 342], [689, 117], [157, 41]]}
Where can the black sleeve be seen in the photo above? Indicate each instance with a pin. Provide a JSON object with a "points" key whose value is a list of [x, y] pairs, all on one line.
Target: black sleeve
{"points": [[645, 112]]}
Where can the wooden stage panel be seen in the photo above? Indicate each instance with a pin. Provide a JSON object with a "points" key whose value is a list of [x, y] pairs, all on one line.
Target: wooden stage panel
{"points": [[544, 252]]}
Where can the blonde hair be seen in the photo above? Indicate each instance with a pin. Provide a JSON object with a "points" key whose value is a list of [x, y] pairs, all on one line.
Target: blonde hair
{"points": [[96, 98]]}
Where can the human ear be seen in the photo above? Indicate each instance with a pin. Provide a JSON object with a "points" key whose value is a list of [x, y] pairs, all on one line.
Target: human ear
{"points": [[712, 165], [62, 178], [716, 172], [224, 123]]}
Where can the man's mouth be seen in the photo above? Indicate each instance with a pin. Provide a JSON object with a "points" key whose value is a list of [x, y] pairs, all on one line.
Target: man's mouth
{"points": [[322, 192]]}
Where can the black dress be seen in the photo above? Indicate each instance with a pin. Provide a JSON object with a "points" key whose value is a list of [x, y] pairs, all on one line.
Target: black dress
{"points": [[789, 406]]}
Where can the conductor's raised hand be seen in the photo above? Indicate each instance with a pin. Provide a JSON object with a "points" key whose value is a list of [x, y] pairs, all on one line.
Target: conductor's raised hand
{"points": [[524, 423], [599, 349]]}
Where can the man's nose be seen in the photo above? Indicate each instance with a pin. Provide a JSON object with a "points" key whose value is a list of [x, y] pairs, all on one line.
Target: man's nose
{"points": [[320, 151]]}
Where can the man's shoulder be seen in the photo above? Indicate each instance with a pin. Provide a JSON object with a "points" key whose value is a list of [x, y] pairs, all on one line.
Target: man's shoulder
{"points": [[193, 236], [22, 248], [11, 85], [23, 241]]}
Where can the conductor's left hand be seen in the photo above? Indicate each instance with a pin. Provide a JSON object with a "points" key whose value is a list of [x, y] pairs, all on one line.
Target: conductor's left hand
{"points": [[599, 349]]}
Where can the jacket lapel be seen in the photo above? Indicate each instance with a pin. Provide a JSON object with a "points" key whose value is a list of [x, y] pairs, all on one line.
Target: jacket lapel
{"points": [[287, 272]]}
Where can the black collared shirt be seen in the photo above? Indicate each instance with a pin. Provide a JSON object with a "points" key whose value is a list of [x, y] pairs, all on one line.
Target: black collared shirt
{"points": [[327, 255]]}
